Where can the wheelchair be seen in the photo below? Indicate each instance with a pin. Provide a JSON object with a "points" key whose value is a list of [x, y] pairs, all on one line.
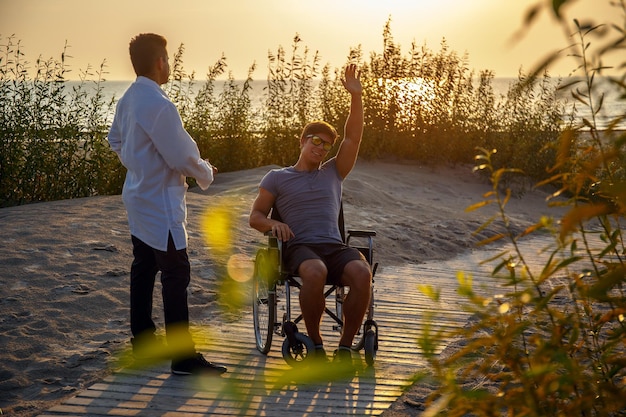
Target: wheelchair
{"points": [[273, 285]]}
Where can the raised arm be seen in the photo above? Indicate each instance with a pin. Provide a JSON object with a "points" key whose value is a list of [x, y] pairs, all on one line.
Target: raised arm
{"points": [[353, 131]]}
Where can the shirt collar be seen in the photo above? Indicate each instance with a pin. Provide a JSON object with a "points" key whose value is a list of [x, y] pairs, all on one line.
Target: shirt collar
{"points": [[146, 81]]}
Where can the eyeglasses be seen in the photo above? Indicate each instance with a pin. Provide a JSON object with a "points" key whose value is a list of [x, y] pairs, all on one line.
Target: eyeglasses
{"points": [[317, 141]]}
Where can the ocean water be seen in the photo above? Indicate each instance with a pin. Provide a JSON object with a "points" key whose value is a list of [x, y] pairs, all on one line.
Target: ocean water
{"points": [[612, 106]]}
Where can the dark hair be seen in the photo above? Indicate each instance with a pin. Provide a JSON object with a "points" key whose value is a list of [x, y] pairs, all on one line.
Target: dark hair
{"points": [[319, 126], [144, 49]]}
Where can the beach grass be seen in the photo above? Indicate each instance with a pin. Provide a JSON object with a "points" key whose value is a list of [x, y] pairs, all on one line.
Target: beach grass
{"points": [[553, 342], [425, 106]]}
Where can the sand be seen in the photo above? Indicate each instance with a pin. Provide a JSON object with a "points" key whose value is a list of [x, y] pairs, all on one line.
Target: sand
{"points": [[65, 265]]}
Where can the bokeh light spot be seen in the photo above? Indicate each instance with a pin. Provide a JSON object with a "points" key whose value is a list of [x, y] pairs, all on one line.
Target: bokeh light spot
{"points": [[240, 267], [216, 225]]}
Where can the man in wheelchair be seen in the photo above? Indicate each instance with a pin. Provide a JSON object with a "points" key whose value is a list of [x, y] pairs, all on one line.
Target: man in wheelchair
{"points": [[308, 197]]}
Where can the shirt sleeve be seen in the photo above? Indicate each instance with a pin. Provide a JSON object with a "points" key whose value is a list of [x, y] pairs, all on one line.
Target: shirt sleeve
{"points": [[114, 138], [268, 182], [178, 148]]}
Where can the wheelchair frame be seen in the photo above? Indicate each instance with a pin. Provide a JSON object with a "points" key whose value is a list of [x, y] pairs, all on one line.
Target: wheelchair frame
{"points": [[269, 275]]}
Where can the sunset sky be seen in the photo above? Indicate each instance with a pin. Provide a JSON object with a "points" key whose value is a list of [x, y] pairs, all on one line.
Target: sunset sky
{"points": [[245, 30]]}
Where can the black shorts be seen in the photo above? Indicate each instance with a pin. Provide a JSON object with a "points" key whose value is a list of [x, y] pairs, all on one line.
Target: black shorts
{"points": [[334, 256]]}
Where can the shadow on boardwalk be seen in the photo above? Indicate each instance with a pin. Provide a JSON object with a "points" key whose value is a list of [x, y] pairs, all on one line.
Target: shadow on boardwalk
{"points": [[250, 388]]}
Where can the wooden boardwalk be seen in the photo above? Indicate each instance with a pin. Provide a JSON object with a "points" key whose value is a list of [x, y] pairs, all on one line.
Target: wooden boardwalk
{"points": [[251, 386]]}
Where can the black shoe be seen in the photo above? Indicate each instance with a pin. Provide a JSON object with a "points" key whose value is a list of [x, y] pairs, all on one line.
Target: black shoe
{"points": [[320, 354], [196, 365], [343, 356]]}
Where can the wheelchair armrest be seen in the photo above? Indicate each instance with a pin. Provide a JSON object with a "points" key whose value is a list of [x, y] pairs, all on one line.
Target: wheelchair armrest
{"points": [[361, 233], [273, 240]]}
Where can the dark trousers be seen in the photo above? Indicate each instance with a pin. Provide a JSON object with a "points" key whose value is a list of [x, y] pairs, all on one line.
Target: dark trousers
{"points": [[175, 276]]}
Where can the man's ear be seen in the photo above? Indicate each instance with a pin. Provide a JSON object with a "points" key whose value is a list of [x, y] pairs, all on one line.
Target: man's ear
{"points": [[160, 62]]}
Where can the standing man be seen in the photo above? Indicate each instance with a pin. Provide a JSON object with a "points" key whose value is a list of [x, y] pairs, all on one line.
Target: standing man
{"points": [[308, 197], [148, 136]]}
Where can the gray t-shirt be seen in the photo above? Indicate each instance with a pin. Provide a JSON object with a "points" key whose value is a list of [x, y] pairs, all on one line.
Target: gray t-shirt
{"points": [[308, 202]]}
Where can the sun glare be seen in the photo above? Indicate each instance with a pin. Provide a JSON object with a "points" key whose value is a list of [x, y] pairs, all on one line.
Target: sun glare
{"points": [[417, 89], [410, 93]]}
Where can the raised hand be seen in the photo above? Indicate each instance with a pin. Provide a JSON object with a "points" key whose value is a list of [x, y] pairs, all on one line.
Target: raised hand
{"points": [[352, 80]]}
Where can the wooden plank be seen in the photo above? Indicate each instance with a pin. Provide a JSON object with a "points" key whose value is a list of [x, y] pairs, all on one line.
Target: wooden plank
{"points": [[248, 388]]}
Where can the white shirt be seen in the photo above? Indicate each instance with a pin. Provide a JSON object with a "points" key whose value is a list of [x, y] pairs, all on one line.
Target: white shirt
{"points": [[147, 134]]}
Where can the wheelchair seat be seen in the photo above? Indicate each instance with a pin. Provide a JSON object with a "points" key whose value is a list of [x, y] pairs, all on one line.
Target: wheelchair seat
{"points": [[272, 284]]}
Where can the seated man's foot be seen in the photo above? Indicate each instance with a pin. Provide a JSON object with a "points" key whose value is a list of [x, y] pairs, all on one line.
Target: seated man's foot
{"points": [[320, 353], [343, 357], [196, 365]]}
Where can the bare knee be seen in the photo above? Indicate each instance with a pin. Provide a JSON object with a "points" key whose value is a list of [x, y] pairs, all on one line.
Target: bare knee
{"points": [[313, 273], [358, 276]]}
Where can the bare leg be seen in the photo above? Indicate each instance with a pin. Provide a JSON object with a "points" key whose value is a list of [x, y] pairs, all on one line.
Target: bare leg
{"points": [[358, 277], [312, 301]]}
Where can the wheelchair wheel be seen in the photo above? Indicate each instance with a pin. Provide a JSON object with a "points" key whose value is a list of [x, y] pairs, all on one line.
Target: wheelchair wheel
{"points": [[370, 345], [369, 341], [263, 301], [360, 344], [299, 351]]}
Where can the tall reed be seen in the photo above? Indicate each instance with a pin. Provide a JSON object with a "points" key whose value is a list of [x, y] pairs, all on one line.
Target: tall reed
{"points": [[289, 102], [53, 140]]}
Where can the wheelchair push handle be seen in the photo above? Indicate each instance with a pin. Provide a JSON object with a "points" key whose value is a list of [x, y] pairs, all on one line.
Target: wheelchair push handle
{"points": [[361, 233]]}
